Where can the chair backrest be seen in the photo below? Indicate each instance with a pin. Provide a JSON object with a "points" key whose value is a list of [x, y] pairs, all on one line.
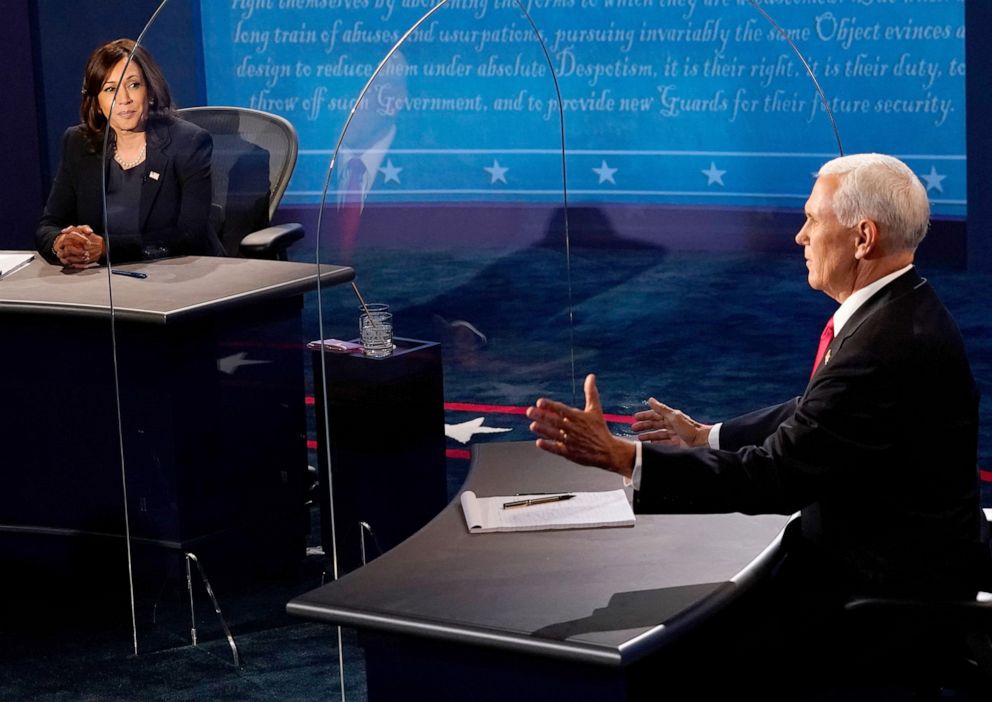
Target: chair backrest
{"points": [[253, 159]]}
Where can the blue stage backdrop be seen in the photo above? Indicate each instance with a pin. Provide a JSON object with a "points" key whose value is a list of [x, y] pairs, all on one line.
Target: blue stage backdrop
{"points": [[666, 101]]}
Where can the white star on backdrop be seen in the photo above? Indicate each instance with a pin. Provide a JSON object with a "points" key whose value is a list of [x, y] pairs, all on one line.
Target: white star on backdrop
{"points": [[464, 431], [496, 172], [713, 174], [390, 172], [933, 180], [605, 173]]}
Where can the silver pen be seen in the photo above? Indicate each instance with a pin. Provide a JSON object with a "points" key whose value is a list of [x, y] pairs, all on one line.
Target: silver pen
{"points": [[537, 501]]}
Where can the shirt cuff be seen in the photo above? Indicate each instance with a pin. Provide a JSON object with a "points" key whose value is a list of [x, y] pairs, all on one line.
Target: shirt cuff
{"points": [[635, 476], [714, 437]]}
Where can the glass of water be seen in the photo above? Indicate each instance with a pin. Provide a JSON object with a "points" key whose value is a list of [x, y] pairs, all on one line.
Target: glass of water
{"points": [[376, 327]]}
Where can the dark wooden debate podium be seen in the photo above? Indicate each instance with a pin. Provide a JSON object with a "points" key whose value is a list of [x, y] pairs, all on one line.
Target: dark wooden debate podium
{"points": [[210, 361], [565, 615]]}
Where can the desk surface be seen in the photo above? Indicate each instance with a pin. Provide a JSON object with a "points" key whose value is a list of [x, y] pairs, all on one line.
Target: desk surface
{"points": [[606, 596], [175, 289]]}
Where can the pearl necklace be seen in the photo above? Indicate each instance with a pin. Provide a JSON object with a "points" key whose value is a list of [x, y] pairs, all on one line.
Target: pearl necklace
{"points": [[130, 164]]}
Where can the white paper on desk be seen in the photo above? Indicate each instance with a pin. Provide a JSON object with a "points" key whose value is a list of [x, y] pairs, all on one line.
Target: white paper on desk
{"points": [[11, 262], [587, 510]]}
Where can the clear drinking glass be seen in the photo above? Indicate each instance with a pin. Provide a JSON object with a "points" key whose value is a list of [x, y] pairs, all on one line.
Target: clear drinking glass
{"points": [[376, 327]]}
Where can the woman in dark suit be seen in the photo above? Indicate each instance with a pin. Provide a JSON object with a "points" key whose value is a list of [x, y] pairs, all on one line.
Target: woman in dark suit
{"points": [[158, 171]]}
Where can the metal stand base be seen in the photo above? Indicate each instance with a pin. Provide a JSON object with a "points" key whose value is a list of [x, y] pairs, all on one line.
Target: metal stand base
{"points": [[191, 557]]}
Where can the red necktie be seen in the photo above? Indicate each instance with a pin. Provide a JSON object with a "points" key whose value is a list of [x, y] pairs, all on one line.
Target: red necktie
{"points": [[825, 338]]}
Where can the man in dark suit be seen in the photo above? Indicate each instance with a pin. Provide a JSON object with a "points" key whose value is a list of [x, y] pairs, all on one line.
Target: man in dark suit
{"points": [[878, 454]]}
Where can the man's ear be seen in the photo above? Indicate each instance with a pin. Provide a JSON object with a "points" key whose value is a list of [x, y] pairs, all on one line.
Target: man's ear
{"points": [[866, 241]]}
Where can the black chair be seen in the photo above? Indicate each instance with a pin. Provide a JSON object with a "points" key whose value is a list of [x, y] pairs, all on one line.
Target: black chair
{"points": [[253, 159], [957, 635], [957, 655]]}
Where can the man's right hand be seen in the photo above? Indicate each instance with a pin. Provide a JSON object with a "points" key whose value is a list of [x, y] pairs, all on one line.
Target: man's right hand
{"points": [[581, 436], [663, 425]]}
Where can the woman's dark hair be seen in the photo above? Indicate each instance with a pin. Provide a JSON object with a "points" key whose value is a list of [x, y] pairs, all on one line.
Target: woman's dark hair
{"points": [[99, 64]]}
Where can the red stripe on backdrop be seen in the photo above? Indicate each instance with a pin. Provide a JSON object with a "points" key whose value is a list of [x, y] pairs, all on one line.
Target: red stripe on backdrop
{"points": [[485, 409], [985, 475], [505, 409]]}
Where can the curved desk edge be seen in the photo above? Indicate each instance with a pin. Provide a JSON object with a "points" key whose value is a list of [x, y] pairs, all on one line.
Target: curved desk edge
{"points": [[317, 605], [669, 632], [456, 633]]}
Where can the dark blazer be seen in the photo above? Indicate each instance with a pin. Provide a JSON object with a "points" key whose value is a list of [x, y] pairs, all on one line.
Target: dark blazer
{"points": [[879, 454], [175, 193]]}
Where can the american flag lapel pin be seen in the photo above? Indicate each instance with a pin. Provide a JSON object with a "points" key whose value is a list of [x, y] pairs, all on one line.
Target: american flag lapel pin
{"points": [[153, 175]]}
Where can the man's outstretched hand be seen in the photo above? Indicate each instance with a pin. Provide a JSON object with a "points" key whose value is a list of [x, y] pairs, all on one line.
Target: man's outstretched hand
{"points": [[664, 425], [581, 435]]}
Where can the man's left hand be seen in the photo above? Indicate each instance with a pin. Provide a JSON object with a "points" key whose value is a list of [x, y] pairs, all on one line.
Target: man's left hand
{"points": [[581, 435]]}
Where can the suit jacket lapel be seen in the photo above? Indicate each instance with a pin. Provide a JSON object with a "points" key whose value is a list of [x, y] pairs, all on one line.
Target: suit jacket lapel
{"points": [[156, 162], [903, 285]]}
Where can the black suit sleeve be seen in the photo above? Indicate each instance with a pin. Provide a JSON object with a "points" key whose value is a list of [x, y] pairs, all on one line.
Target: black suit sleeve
{"points": [[60, 210], [754, 427], [827, 436]]}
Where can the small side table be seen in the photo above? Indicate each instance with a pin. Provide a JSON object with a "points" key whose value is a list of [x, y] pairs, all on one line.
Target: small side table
{"points": [[385, 417]]}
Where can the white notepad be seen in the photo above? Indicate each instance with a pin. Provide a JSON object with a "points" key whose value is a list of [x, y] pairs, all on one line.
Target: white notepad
{"points": [[11, 262], [586, 510]]}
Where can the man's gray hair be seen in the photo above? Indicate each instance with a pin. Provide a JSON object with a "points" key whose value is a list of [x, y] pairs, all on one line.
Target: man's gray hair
{"points": [[885, 190]]}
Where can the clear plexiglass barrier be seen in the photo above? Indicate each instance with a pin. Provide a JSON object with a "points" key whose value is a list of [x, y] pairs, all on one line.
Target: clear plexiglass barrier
{"points": [[250, 450], [462, 290], [210, 353], [477, 232]]}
